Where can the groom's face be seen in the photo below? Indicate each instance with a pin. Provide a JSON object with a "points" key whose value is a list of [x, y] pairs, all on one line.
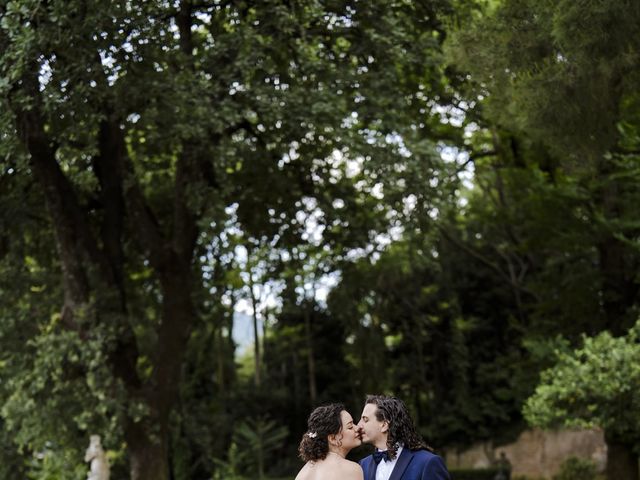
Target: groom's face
{"points": [[372, 430]]}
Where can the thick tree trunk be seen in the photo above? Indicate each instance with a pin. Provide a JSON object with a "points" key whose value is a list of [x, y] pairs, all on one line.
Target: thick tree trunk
{"points": [[93, 266], [148, 453], [622, 462], [617, 269], [62, 206], [148, 441], [177, 318], [79, 254]]}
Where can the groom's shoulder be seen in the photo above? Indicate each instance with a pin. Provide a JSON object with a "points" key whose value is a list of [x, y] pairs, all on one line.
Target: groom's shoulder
{"points": [[424, 455]]}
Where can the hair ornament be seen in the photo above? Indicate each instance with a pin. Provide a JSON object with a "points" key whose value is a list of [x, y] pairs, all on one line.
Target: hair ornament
{"points": [[312, 434]]}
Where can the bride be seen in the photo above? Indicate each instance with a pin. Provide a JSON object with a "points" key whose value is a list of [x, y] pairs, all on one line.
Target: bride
{"points": [[330, 436]]}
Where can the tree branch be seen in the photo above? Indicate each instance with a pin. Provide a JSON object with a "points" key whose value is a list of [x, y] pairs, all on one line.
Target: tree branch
{"points": [[510, 279], [72, 231]]}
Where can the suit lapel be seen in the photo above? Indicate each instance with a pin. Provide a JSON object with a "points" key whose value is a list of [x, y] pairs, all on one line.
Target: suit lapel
{"points": [[369, 468], [401, 465], [373, 466]]}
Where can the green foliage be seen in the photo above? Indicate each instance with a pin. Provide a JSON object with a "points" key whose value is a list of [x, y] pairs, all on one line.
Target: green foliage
{"points": [[555, 69], [431, 317], [555, 171], [54, 462], [593, 385], [574, 468], [221, 124], [79, 401], [11, 461], [230, 468], [287, 348], [253, 440]]}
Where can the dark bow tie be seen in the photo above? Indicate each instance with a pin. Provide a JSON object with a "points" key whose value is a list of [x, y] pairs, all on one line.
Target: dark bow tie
{"points": [[377, 456]]}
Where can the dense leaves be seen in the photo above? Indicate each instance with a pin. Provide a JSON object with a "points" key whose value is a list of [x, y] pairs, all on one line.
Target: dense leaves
{"points": [[594, 385], [157, 138]]}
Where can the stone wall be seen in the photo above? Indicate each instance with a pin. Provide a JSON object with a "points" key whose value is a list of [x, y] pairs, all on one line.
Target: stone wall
{"points": [[536, 453]]}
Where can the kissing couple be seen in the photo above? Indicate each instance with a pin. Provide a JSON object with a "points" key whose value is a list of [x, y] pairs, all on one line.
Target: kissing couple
{"points": [[385, 423]]}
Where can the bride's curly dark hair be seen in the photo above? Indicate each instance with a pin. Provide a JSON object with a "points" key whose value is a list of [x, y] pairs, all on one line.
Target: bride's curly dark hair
{"points": [[323, 421], [402, 431]]}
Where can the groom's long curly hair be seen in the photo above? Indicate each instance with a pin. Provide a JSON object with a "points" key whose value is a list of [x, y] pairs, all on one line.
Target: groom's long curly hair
{"points": [[402, 431]]}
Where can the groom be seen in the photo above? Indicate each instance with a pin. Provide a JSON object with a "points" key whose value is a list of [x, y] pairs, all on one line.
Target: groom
{"points": [[400, 454]]}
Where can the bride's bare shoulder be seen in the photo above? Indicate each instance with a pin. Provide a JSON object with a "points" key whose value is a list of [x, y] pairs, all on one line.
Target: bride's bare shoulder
{"points": [[305, 472], [344, 469], [352, 470]]}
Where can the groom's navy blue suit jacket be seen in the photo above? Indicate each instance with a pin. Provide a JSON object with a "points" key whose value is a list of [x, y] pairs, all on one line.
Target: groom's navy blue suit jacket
{"points": [[411, 465]]}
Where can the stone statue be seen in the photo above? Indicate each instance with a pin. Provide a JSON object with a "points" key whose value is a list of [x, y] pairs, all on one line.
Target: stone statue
{"points": [[99, 469]]}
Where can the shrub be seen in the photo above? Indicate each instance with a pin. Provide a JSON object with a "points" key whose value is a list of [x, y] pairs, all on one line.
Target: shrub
{"points": [[574, 468]]}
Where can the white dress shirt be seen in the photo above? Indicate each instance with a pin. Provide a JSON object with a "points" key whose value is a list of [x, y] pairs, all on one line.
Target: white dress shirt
{"points": [[383, 472]]}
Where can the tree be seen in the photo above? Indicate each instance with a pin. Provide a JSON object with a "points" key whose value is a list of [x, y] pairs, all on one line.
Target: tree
{"points": [[555, 94], [555, 151], [145, 127], [596, 385], [557, 113], [431, 326], [556, 71]]}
